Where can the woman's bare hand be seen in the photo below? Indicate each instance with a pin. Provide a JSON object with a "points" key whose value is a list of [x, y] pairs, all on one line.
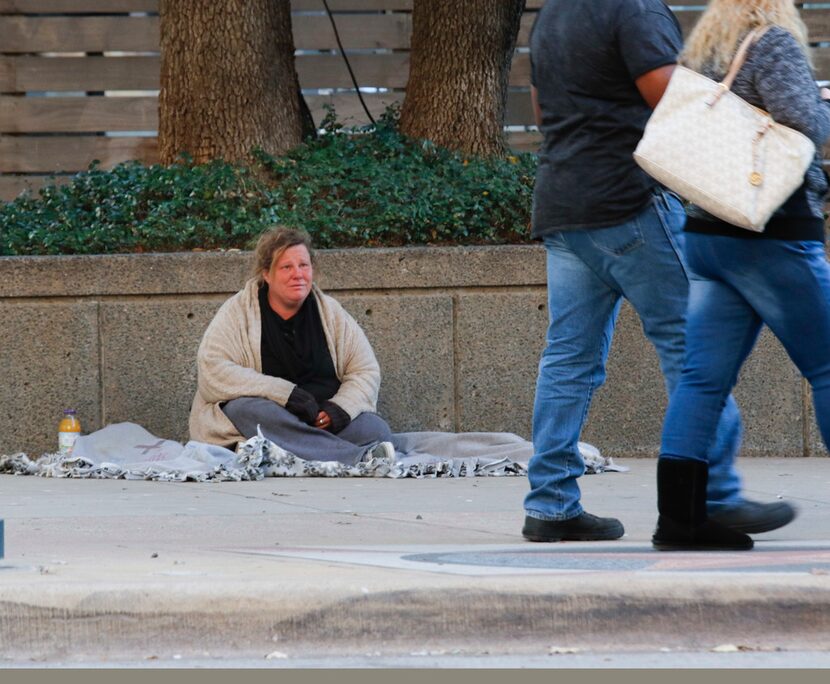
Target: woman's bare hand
{"points": [[323, 421]]}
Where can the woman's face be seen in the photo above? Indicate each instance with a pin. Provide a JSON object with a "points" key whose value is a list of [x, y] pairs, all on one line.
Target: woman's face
{"points": [[289, 279]]}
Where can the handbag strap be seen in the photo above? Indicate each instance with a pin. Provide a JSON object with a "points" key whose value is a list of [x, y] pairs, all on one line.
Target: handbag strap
{"points": [[740, 56]]}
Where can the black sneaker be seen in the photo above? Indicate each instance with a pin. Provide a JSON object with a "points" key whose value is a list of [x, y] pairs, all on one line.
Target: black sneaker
{"points": [[584, 527], [753, 517]]}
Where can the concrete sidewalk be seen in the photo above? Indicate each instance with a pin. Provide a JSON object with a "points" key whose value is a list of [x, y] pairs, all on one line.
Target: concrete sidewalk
{"points": [[299, 568]]}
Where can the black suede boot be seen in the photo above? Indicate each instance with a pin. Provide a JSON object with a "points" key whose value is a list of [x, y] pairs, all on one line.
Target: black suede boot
{"points": [[681, 501]]}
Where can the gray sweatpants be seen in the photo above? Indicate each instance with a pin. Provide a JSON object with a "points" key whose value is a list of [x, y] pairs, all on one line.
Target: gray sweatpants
{"points": [[305, 441]]}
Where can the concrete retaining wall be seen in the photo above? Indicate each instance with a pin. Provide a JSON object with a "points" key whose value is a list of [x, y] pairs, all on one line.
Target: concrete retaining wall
{"points": [[458, 333]]}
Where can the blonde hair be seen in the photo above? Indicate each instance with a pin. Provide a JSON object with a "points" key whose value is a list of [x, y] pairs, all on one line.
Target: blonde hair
{"points": [[273, 243], [715, 38]]}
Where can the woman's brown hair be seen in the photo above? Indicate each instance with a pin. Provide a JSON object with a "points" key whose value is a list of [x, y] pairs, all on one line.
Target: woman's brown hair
{"points": [[271, 245]]}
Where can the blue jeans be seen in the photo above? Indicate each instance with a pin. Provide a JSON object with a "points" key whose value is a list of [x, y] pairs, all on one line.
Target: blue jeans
{"points": [[589, 272], [736, 286]]}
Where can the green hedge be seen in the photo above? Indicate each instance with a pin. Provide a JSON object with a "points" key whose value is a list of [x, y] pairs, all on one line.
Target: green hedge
{"points": [[370, 188]]}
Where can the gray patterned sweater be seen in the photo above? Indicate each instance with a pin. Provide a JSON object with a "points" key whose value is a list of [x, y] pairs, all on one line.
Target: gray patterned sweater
{"points": [[777, 78]]}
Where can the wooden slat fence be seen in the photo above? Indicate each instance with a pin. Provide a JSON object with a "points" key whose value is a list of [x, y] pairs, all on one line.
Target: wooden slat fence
{"points": [[79, 78]]}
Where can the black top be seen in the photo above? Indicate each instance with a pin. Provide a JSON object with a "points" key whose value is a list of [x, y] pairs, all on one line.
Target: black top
{"points": [[793, 221], [585, 57], [296, 349]]}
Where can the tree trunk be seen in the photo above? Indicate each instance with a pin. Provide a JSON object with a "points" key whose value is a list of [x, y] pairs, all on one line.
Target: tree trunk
{"points": [[228, 82], [459, 69]]}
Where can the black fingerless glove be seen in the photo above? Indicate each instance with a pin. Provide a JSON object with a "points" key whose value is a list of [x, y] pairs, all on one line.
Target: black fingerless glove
{"points": [[303, 405], [339, 418]]}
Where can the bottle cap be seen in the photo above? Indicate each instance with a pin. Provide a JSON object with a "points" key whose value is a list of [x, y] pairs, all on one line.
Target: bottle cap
{"points": [[69, 411]]}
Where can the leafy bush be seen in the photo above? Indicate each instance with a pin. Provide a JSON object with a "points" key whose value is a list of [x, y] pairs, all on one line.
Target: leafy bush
{"points": [[368, 188]]}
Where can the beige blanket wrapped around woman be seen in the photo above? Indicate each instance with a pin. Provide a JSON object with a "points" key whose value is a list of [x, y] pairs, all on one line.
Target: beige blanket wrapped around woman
{"points": [[230, 364]]}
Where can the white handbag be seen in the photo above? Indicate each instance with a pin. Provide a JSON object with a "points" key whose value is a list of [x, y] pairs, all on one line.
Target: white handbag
{"points": [[719, 152]]}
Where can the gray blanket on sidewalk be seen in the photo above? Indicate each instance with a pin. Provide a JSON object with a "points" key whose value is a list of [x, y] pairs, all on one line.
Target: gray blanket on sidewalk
{"points": [[127, 450]]}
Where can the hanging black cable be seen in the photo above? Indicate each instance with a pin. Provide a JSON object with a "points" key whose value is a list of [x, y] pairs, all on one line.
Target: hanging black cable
{"points": [[346, 60]]}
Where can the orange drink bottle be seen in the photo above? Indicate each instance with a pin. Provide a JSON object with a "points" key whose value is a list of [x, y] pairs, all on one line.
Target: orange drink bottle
{"points": [[68, 431]]}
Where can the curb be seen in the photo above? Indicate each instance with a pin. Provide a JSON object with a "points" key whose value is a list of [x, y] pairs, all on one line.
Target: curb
{"points": [[113, 622]]}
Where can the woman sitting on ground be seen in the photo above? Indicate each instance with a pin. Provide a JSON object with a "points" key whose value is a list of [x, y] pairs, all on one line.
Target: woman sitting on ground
{"points": [[282, 356]]}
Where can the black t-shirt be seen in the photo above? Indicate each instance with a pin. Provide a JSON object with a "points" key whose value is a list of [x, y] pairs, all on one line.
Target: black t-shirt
{"points": [[296, 349], [585, 57]]}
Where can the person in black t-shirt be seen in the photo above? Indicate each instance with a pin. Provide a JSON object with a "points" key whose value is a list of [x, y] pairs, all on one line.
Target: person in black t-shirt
{"points": [[598, 69]]}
